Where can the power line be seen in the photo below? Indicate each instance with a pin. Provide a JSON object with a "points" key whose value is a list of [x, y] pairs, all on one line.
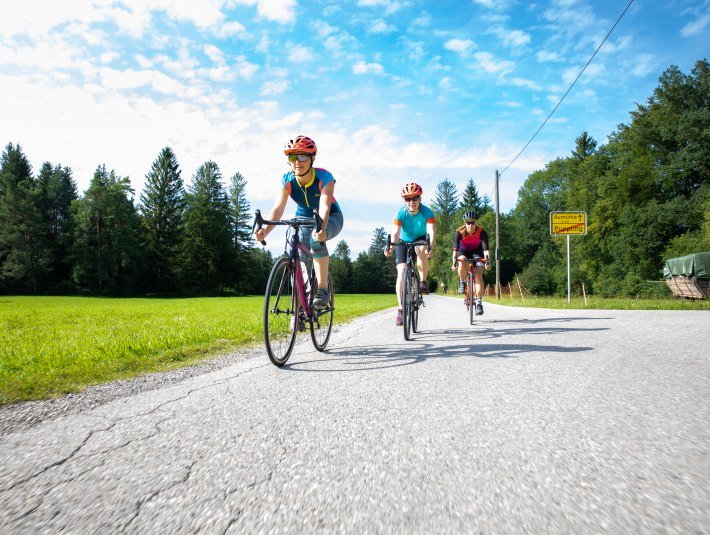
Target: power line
{"points": [[568, 90]]}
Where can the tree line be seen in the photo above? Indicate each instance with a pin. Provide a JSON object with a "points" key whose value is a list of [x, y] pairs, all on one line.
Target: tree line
{"points": [[646, 193]]}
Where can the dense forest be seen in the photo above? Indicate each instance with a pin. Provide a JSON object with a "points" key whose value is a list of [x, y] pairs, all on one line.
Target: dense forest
{"points": [[646, 193]]}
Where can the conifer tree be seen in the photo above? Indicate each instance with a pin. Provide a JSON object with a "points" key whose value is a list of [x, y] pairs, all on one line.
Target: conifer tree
{"points": [[24, 257], [470, 199], [208, 260], [56, 192], [106, 247], [240, 212], [162, 208]]}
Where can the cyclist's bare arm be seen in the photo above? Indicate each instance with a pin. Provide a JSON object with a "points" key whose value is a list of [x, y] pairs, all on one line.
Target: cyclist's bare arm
{"points": [[396, 229], [276, 212], [430, 231], [326, 197]]}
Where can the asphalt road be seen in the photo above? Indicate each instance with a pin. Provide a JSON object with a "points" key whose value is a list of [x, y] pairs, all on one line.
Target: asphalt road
{"points": [[535, 421]]}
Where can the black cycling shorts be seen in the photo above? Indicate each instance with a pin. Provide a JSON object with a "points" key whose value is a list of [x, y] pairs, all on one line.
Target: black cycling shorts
{"points": [[400, 253], [470, 253]]}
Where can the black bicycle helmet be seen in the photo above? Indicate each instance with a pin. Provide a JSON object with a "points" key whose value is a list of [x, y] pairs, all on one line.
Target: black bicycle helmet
{"points": [[470, 214]]}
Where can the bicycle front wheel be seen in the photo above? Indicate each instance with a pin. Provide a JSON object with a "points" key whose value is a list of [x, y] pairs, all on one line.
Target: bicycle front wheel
{"points": [[471, 298], [408, 281], [280, 313], [322, 323], [416, 303]]}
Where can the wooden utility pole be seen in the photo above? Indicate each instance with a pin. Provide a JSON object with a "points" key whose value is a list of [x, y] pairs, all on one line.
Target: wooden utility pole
{"points": [[497, 251]]}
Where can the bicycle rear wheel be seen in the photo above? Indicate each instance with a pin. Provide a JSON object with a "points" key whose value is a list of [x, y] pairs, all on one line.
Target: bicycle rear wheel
{"points": [[280, 323], [408, 281], [471, 298], [322, 323]]}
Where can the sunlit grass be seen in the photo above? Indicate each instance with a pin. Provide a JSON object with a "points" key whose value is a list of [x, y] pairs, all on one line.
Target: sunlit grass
{"points": [[50, 346], [602, 303]]}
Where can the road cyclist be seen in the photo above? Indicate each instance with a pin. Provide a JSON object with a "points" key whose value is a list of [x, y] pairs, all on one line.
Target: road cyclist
{"points": [[412, 223], [289, 300], [312, 189], [470, 246]]}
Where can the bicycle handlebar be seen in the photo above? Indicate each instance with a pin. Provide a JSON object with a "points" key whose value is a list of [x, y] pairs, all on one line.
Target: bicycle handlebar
{"points": [[390, 243], [316, 222]]}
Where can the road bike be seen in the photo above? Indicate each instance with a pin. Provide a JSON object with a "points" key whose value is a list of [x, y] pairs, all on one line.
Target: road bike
{"points": [[469, 296], [290, 290], [412, 300]]}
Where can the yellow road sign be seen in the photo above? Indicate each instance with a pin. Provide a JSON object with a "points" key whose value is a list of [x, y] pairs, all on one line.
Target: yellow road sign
{"points": [[562, 223]]}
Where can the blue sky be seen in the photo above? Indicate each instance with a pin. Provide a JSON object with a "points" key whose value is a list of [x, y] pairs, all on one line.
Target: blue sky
{"points": [[391, 90]]}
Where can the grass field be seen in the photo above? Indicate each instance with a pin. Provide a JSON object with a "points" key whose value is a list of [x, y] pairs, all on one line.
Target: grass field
{"points": [[601, 303], [51, 346]]}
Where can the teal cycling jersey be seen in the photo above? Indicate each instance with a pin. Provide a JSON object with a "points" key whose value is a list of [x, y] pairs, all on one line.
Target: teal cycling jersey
{"points": [[413, 226], [308, 197]]}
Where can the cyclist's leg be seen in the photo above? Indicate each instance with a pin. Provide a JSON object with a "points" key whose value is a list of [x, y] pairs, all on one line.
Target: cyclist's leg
{"points": [[478, 277], [321, 258], [461, 269], [422, 262], [400, 277]]}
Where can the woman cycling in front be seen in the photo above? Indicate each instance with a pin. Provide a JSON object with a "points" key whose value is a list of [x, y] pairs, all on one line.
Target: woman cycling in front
{"points": [[311, 188], [471, 240]]}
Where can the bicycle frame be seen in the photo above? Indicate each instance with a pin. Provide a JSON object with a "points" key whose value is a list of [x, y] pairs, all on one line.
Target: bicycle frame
{"points": [[410, 302], [297, 248]]}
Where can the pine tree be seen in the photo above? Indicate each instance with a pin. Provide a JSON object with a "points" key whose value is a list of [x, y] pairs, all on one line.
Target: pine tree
{"points": [[24, 256], [106, 247], [208, 259], [341, 268], [162, 208], [470, 199], [446, 208], [57, 190], [240, 212], [585, 146]]}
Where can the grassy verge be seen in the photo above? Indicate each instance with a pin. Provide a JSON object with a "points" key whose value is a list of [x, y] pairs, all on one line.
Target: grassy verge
{"points": [[602, 303], [50, 346]]}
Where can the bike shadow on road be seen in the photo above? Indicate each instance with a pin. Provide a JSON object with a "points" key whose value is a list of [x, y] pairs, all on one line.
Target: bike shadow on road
{"points": [[427, 345]]}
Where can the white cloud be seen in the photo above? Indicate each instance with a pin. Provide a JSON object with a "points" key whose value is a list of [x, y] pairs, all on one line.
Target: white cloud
{"points": [[214, 53], [362, 67], [696, 27], [460, 46], [527, 84], [132, 79], [275, 87], [488, 63], [544, 56], [229, 29], [511, 38], [281, 11], [381, 27], [300, 53], [644, 65], [391, 6], [594, 70]]}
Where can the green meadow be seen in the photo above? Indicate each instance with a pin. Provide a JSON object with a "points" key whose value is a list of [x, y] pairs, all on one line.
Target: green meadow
{"points": [[50, 346]]}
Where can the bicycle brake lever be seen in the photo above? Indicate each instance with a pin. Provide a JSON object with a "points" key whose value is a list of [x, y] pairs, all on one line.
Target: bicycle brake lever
{"points": [[258, 220], [319, 223]]}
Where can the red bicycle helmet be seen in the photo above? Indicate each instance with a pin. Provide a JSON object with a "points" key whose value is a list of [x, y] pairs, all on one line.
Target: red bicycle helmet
{"points": [[302, 144], [411, 190]]}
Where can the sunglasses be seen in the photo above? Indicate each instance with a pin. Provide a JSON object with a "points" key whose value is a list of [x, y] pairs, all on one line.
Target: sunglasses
{"points": [[299, 157], [469, 222], [412, 199]]}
